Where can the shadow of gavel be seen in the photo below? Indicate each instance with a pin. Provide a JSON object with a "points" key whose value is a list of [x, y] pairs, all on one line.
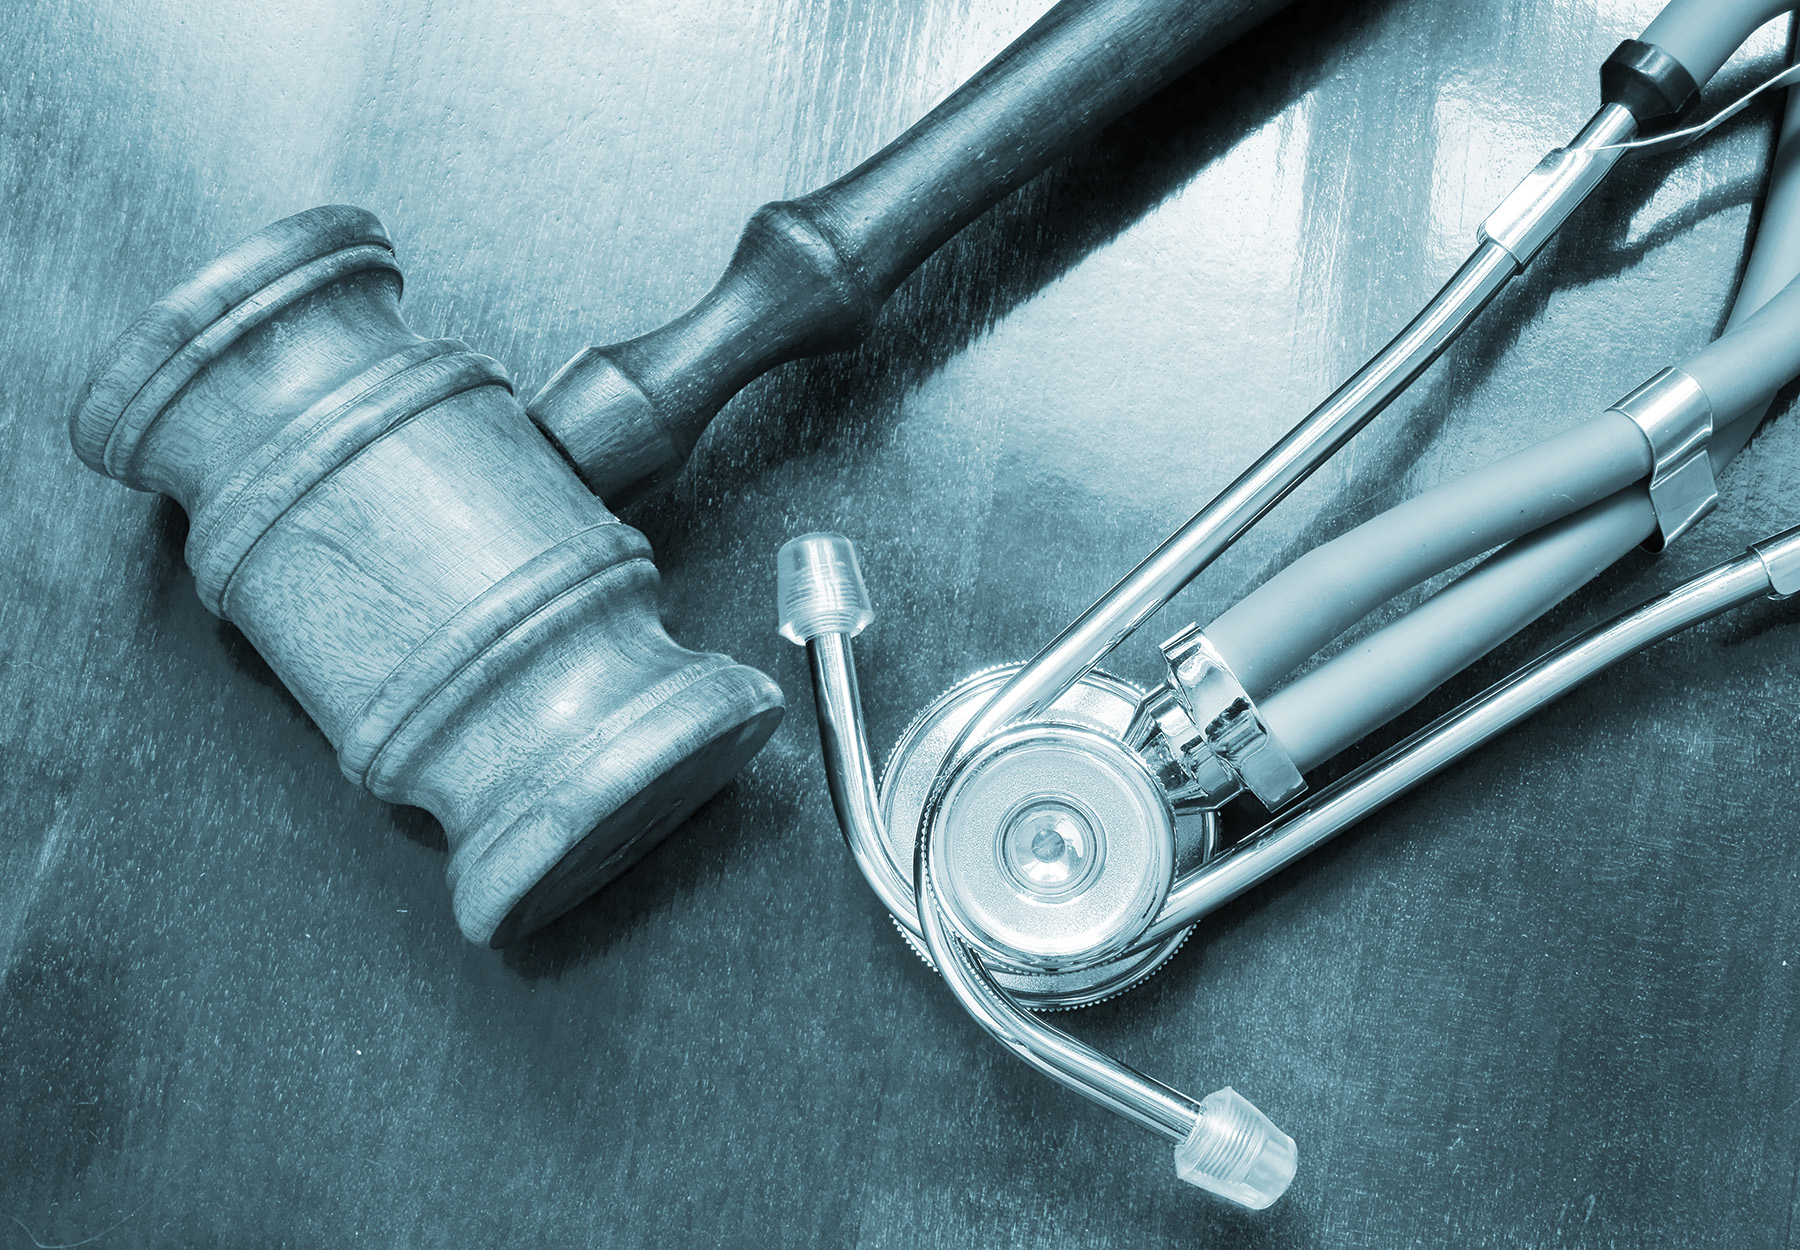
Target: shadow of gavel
{"points": [[471, 628], [809, 275]]}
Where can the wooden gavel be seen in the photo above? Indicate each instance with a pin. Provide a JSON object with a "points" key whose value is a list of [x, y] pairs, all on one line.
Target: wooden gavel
{"points": [[469, 626], [472, 629], [809, 275]]}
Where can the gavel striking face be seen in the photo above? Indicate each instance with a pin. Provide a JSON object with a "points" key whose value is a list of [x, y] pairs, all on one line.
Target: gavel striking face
{"points": [[469, 626]]}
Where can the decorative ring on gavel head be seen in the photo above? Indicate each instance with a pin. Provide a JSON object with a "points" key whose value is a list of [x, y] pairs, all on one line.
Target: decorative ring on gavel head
{"points": [[467, 624]]}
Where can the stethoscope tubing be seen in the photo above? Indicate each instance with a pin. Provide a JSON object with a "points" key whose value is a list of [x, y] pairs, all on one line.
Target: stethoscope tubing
{"points": [[1703, 34], [1326, 592], [1314, 600], [1352, 694], [1466, 728]]}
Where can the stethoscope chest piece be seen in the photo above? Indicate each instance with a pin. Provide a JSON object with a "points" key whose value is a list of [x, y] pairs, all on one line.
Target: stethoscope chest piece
{"points": [[1050, 845]]}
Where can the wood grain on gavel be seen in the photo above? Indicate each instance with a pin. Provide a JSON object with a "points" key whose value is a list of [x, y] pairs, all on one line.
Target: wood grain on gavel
{"points": [[809, 275], [472, 629]]}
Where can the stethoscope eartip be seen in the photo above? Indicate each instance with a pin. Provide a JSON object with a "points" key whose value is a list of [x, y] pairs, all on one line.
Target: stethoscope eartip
{"points": [[819, 588], [1236, 1152]]}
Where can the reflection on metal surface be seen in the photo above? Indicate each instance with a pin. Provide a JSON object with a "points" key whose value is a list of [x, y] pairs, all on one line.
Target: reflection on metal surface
{"points": [[1780, 558], [1676, 417], [1084, 883]]}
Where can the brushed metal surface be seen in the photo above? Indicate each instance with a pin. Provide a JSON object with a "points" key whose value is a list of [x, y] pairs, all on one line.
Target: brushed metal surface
{"points": [[1503, 1012]]}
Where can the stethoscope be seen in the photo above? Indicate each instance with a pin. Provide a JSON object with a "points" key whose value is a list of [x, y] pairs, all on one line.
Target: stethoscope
{"points": [[1046, 835]]}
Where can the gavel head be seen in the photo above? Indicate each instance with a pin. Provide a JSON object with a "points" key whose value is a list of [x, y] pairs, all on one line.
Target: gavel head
{"points": [[467, 624]]}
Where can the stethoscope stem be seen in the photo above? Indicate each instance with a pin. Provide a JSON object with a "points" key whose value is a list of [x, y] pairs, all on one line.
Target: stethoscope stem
{"points": [[1510, 238]]}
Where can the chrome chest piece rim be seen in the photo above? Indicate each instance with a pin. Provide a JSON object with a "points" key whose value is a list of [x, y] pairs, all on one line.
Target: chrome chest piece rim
{"points": [[1095, 713], [1051, 846]]}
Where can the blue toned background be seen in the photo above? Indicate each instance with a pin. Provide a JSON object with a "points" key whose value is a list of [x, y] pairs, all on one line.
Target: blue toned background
{"points": [[1552, 1000]]}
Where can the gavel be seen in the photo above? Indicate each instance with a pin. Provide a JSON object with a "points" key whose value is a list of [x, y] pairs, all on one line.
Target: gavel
{"points": [[468, 625], [809, 275], [471, 628]]}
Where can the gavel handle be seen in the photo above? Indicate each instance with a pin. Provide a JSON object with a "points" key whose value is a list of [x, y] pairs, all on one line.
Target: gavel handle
{"points": [[809, 275]]}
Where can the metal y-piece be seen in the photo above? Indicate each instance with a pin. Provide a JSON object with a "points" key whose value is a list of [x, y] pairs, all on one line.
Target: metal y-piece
{"points": [[1207, 724]]}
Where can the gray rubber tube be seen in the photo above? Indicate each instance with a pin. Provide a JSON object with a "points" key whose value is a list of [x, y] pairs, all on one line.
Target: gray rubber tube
{"points": [[1742, 369], [1773, 266], [1775, 255], [1355, 693], [1314, 600], [1290, 617], [1395, 667], [1702, 34]]}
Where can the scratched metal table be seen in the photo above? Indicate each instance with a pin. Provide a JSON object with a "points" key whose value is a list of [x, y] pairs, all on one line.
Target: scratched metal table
{"points": [[1553, 999]]}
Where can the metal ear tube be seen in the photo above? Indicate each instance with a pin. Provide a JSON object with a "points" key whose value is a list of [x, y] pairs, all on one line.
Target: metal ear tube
{"points": [[1224, 1144], [1032, 817]]}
